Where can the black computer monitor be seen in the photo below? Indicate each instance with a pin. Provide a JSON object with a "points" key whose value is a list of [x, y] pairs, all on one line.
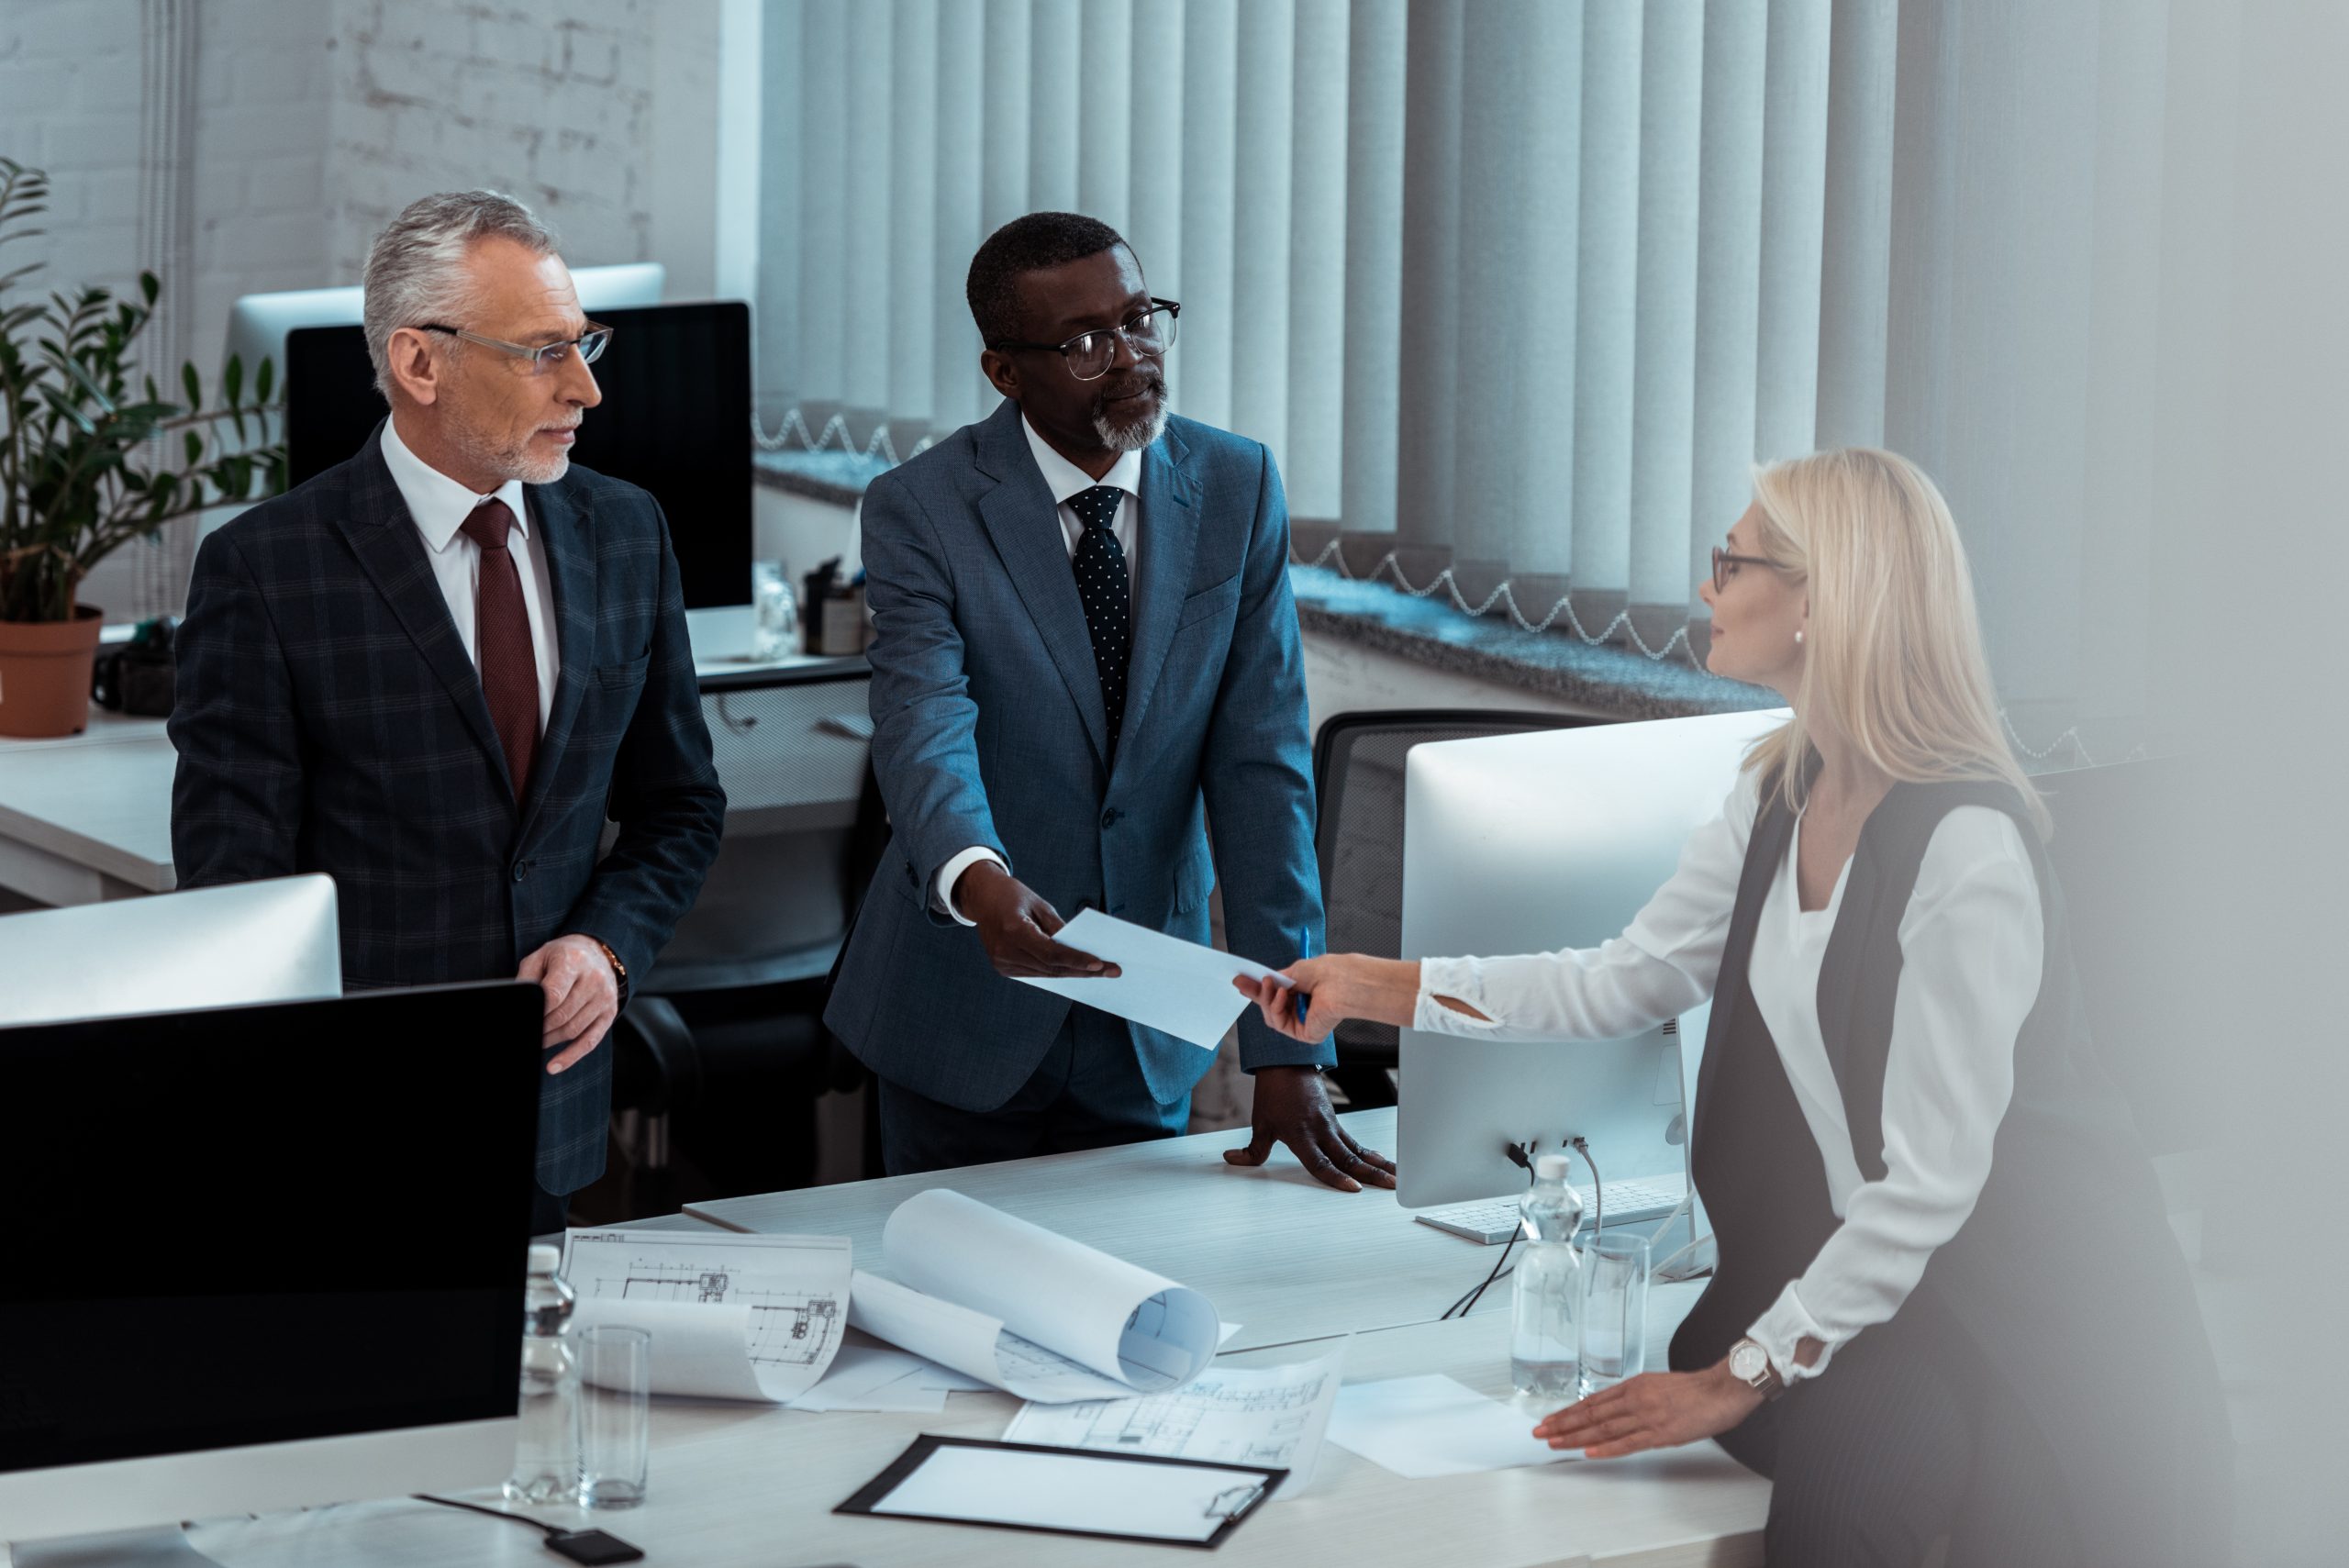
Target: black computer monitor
{"points": [[263, 1256], [675, 419]]}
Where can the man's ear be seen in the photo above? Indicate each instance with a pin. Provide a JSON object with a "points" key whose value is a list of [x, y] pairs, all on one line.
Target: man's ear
{"points": [[415, 369], [1001, 374]]}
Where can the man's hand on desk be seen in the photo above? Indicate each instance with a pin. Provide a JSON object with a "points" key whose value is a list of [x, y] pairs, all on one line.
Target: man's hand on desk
{"points": [[582, 995], [1291, 1108], [1017, 923]]}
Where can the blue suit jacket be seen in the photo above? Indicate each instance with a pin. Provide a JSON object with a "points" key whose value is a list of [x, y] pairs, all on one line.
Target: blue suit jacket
{"points": [[988, 729], [329, 720]]}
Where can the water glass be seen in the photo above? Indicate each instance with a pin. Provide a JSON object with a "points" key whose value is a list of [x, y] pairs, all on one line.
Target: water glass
{"points": [[615, 1415], [1614, 1320], [774, 612]]}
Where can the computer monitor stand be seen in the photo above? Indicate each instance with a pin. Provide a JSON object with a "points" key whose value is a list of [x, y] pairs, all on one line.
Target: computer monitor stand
{"points": [[167, 1547]]}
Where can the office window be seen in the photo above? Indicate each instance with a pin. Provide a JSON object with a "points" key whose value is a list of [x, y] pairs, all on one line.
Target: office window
{"points": [[1517, 291]]}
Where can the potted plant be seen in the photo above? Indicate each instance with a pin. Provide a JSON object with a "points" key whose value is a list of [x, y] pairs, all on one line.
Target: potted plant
{"points": [[88, 464]]}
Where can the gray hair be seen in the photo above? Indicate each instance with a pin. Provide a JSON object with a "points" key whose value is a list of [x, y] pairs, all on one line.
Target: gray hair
{"points": [[415, 268]]}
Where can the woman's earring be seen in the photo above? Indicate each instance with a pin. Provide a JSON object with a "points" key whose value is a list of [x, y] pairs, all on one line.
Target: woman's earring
{"points": [[1797, 636]]}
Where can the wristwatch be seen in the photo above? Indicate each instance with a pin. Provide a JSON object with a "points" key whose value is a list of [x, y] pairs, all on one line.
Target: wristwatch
{"points": [[619, 970], [1750, 1364]]}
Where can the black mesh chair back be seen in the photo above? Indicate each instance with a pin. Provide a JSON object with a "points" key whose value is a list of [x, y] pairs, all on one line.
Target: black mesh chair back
{"points": [[1358, 840]]}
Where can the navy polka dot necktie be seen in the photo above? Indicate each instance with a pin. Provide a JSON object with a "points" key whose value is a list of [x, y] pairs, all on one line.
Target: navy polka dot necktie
{"points": [[1101, 582]]}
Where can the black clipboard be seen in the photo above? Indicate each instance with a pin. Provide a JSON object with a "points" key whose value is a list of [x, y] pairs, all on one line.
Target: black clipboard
{"points": [[1250, 1485]]}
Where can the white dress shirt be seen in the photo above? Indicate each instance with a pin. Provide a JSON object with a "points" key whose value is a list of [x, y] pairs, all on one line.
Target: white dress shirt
{"points": [[1064, 479], [439, 507], [1971, 949]]}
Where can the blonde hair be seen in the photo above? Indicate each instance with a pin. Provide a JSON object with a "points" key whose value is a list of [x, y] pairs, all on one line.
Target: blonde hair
{"points": [[1895, 659]]}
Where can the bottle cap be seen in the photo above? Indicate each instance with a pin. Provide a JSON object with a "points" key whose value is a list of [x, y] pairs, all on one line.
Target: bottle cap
{"points": [[545, 1258], [1550, 1167]]}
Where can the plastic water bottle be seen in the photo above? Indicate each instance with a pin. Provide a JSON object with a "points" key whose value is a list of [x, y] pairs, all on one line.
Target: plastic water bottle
{"points": [[546, 1452], [1548, 1278]]}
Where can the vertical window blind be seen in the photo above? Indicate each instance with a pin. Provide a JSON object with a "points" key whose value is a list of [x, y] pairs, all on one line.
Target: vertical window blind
{"points": [[1517, 291]]}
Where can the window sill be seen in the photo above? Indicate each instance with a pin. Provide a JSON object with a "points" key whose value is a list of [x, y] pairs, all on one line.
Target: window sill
{"points": [[1426, 631], [1386, 620]]}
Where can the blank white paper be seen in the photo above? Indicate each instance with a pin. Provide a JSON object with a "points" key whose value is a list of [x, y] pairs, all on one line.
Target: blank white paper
{"points": [[1419, 1426], [1165, 983], [1070, 1492]]}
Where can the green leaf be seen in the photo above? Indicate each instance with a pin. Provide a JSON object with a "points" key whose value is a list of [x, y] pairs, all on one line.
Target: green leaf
{"points": [[263, 380], [194, 387], [150, 286], [97, 394], [195, 447], [232, 380]]}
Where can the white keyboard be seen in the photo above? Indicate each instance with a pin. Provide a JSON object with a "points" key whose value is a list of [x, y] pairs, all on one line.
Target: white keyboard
{"points": [[1493, 1220]]}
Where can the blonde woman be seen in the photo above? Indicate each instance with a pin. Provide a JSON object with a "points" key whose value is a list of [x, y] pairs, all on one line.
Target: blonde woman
{"points": [[1948, 1302]]}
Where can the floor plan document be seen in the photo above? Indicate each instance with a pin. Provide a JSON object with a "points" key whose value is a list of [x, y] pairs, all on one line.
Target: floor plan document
{"points": [[732, 1316]]}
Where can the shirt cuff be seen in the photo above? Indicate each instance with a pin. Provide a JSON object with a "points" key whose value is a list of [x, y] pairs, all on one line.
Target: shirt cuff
{"points": [[952, 873], [1786, 1325], [1462, 980]]}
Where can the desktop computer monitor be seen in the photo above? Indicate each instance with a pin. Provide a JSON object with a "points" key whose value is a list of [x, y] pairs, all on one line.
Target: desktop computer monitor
{"points": [[256, 942], [258, 323], [263, 1257], [1527, 843], [674, 420]]}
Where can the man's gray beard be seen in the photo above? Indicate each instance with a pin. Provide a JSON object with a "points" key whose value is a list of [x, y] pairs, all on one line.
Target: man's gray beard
{"points": [[1134, 436], [512, 463]]}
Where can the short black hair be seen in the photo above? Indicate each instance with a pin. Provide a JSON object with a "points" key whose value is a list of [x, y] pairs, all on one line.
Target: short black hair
{"points": [[1027, 245]]}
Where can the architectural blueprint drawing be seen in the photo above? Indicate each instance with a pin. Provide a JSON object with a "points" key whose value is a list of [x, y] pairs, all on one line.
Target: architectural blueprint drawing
{"points": [[736, 1317], [1269, 1416]]}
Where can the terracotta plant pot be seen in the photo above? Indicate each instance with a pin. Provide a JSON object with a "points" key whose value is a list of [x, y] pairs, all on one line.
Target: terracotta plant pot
{"points": [[45, 674]]}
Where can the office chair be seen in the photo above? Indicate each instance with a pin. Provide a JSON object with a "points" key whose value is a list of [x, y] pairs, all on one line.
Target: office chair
{"points": [[1358, 840], [722, 1049]]}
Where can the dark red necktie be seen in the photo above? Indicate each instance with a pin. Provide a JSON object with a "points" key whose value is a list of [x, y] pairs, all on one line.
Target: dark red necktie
{"points": [[510, 669]]}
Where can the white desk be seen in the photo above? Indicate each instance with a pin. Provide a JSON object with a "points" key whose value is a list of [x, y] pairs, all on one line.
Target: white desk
{"points": [[754, 1486], [88, 817], [1291, 1260]]}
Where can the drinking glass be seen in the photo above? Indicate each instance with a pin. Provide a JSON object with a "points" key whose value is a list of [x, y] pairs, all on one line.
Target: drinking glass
{"points": [[1614, 1320], [615, 1415]]}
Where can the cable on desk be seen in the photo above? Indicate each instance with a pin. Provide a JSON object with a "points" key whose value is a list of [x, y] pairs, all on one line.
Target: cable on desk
{"points": [[1518, 1155], [540, 1526]]}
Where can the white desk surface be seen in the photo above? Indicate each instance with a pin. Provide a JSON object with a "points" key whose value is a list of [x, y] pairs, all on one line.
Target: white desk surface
{"points": [[1283, 1256], [754, 1486], [88, 817]]}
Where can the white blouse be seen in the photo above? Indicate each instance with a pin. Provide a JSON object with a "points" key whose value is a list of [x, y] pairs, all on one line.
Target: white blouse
{"points": [[1970, 943]]}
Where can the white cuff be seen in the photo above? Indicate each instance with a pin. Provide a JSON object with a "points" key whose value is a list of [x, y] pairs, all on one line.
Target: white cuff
{"points": [[1462, 980], [952, 873], [1786, 1325]]}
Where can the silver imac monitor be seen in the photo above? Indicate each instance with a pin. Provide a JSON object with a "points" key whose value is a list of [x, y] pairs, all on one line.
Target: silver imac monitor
{"points": [[258, 323], [198, 1322], [255, 941], [1528, 843]]}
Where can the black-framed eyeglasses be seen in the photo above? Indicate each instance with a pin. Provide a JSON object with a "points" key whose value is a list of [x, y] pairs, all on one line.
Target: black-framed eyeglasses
{"points": [[1725, 565], [543, 357], [1148, 333]]}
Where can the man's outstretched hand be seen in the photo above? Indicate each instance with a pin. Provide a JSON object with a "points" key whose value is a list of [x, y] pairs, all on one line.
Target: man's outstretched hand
{"points": [[1017, 923], [1291, 1108]]}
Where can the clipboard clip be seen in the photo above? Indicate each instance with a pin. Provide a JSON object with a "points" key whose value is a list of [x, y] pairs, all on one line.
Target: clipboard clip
{"points": [[1233, 1501]]}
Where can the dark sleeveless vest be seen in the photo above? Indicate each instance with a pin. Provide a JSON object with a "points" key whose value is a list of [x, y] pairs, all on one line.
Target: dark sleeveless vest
{"points": [[2066, 1282]]}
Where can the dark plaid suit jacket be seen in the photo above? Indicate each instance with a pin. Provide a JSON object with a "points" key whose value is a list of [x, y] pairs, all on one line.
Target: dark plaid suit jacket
{"points": [[328, 721]]}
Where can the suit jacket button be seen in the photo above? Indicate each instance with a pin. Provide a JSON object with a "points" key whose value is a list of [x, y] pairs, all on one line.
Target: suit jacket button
{"points": [[1109, 817], [521, 869]]}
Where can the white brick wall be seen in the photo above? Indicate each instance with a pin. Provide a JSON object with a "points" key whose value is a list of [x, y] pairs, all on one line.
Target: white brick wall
{"points": [[550, 104]]}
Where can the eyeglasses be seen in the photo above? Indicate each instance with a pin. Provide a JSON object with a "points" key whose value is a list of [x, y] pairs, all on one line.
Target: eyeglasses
{"points": [[1147, 333], [542, 357], [1725, 566]]}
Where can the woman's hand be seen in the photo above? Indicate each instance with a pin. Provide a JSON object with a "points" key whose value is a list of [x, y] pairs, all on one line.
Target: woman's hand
{"points": [[1337, 986], [1655, 1409]]}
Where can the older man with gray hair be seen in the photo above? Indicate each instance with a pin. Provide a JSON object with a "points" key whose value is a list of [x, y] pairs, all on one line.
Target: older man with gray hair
{"points": [[431, 671]]}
